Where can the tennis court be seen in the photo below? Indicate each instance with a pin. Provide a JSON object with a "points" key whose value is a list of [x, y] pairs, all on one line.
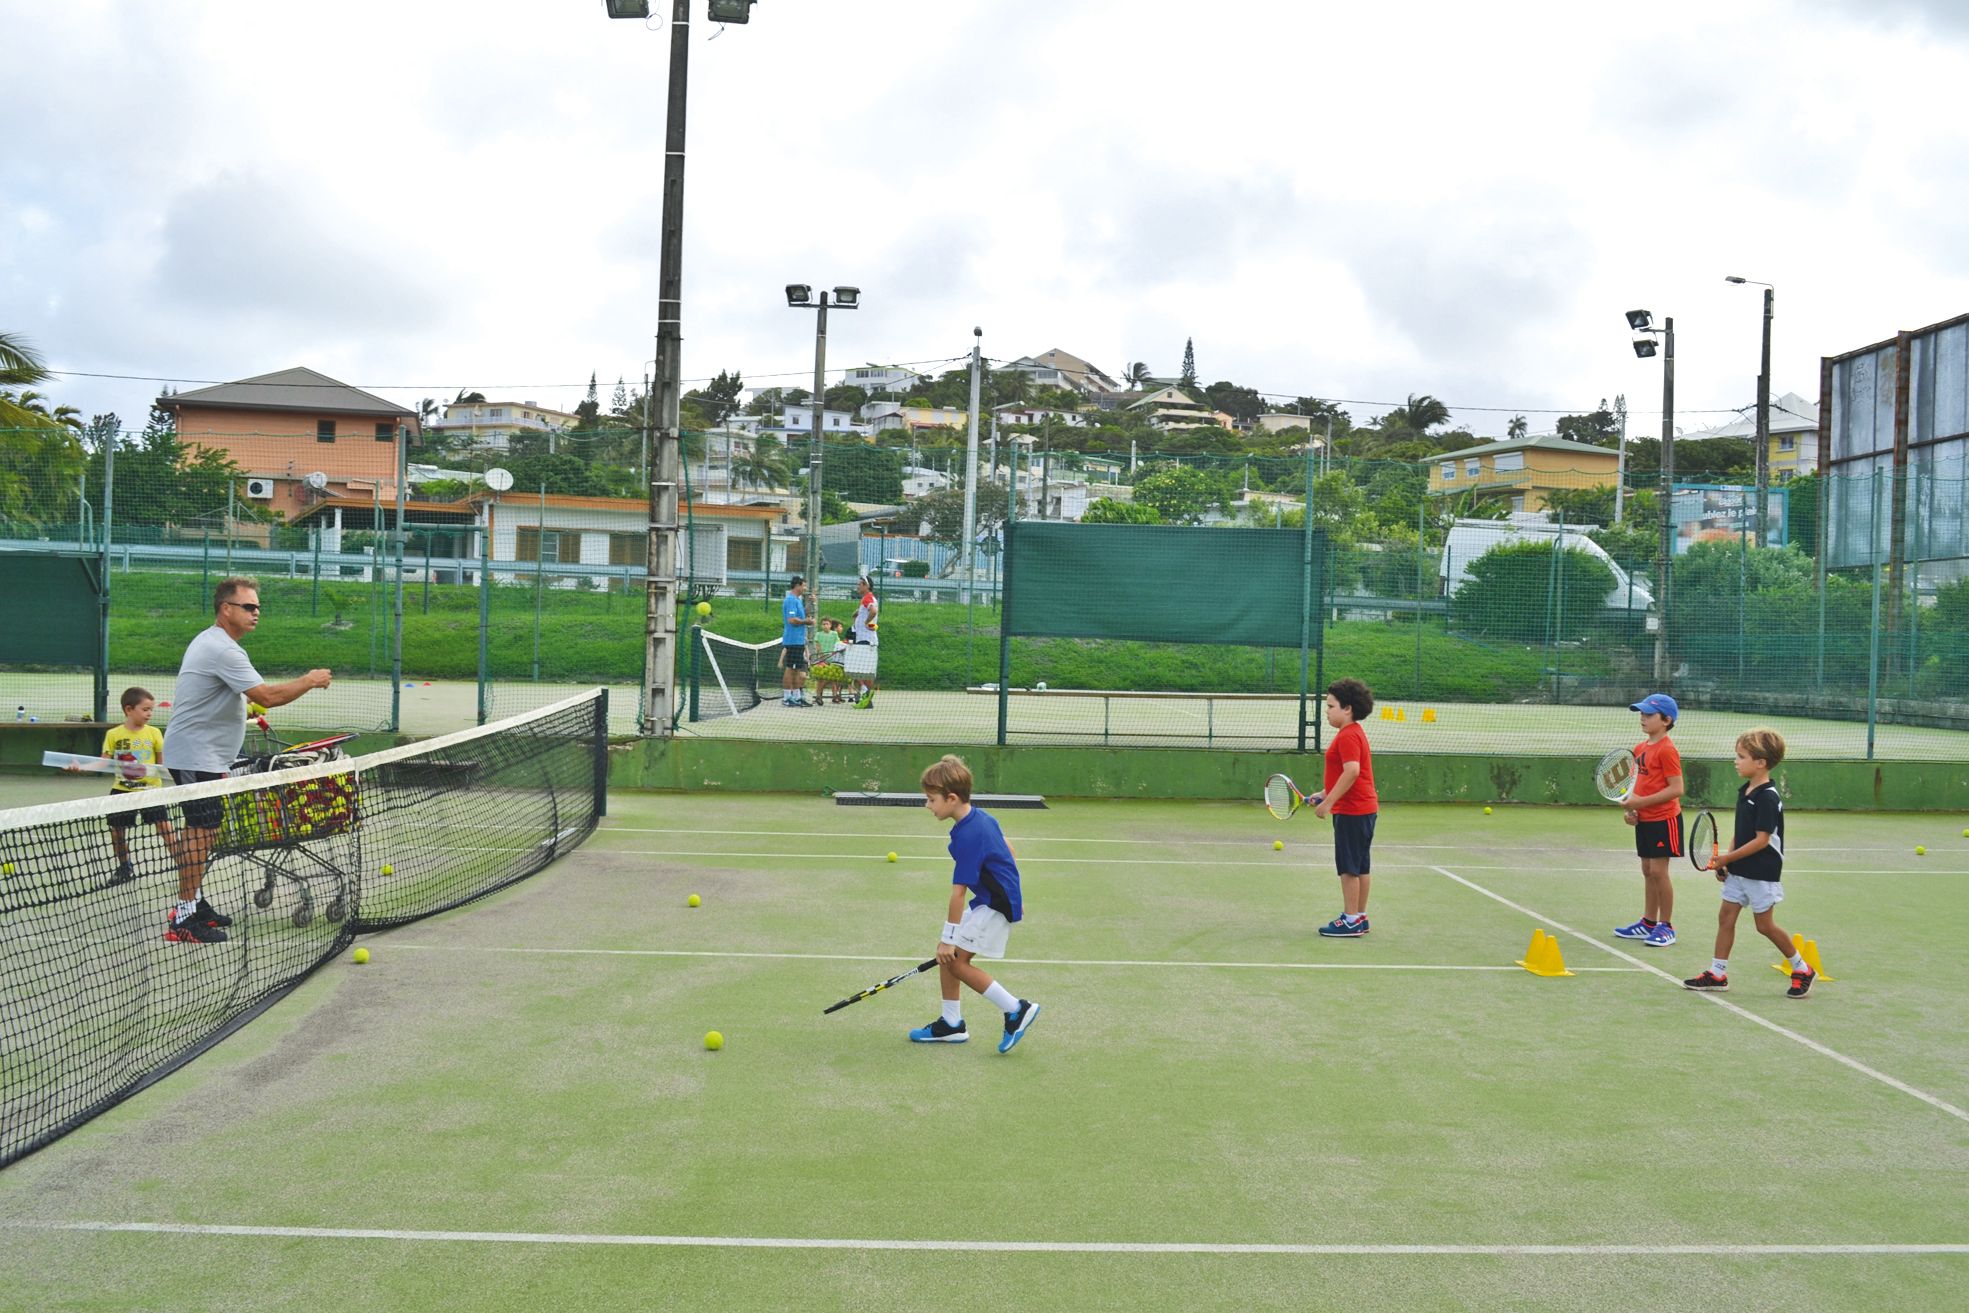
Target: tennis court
{"points": [[512, 1106]]}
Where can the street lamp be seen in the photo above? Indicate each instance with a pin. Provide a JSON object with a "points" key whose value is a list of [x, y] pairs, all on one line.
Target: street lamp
{"points": [[801, 297], [1763, 409], [1642, 322], [665, 466]]}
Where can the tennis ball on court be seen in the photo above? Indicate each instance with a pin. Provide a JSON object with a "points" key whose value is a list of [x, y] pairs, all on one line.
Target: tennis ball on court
{"points": [[6, 868], [892, 857], [693, 900], [1919, 851], [360, 956], [713, 1040], [1486, 811], [1278, 845], [1965, 834], [704, 608], [388, 869]]}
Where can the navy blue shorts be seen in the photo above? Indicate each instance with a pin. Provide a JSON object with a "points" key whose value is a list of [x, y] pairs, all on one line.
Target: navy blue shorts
{"points": [[792, 657], [1352, 837], [205, 813]]}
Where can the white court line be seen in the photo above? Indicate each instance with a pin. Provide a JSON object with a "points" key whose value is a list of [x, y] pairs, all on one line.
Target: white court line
{"points": [[1275, 859], [1723, 1003], [994, 1246], [1164, 841], [1013, 961]]}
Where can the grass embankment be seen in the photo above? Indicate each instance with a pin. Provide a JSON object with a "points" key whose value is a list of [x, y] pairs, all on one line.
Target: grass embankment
{"points": [[595, 636]]}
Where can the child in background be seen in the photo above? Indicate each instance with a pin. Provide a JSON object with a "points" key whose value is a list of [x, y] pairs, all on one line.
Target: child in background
{"points": [[985, 868], [140, 747], [1752, 867], [1654, 809], [827, 673]]}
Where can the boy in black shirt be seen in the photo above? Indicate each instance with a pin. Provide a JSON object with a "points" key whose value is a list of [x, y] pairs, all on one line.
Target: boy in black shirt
{"points": [[1754, 864]]}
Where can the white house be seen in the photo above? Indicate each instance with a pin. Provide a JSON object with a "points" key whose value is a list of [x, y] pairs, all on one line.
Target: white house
{"points": [[882, 378], [918, 481], [532, 533], [1794, 435], [799, 420], [493, 424], [1013, 413]]}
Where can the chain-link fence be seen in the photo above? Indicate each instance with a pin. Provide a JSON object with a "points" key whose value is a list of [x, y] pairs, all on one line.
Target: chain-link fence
{"points": [[1493, 608]]}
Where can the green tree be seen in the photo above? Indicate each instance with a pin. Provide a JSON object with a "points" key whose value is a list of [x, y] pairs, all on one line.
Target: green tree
{"points": [[561, 473], [1598, 428], [942, 511], [1517, 428], [1187, 380], [1514, 592], [1801, 500], [1106, 510], [1241, 402], [1183, 494], [1137, 374]]}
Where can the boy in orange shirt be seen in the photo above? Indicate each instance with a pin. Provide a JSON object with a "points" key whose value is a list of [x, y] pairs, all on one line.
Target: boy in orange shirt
{"points": [[1654, 809], [1347, 795]]}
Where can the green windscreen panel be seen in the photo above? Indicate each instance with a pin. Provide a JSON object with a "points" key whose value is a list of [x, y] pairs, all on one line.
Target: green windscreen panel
{"points": [[1159, 583], [53, 605]]}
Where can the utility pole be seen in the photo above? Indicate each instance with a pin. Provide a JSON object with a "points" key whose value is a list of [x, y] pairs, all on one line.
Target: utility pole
{"points": [[814, 452], [968, 546], [1666, 583], [660, 610], [1764, 426]]}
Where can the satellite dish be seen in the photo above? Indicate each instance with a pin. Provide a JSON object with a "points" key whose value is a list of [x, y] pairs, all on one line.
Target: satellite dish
{"points": [[498, 479], [317, 480]]}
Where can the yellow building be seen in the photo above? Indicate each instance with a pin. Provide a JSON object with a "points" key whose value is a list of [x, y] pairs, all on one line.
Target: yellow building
{"points": [[1523, 470]]}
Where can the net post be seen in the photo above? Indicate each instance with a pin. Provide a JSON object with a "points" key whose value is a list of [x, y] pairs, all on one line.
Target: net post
{"points": [[1873, 638], [1305, 594], [485, 605], [1005, 635], [601, 754], [102, 653]]}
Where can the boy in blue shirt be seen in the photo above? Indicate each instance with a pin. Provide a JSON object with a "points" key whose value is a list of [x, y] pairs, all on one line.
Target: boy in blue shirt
{"points": [[793, 645], [983, 867]]}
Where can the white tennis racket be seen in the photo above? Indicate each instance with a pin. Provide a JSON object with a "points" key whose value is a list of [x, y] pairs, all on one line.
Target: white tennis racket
{"points": [[1282, 797], [1615, 775], [129, 770]]}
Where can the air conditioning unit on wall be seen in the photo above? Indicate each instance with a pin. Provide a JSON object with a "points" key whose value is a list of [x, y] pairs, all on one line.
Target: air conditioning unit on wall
{"points": [[260, 489]]}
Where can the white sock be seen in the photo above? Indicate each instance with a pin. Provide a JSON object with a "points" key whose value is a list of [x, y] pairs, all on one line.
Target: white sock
{"points": [[1001, 998], [1798, 962], [1719, 966], [1353, 917], [953, 1012], [185, 909]]}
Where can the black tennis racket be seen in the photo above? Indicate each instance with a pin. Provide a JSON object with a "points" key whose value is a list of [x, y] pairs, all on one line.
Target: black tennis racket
{"points": [[1702, 842], [916, 970]]}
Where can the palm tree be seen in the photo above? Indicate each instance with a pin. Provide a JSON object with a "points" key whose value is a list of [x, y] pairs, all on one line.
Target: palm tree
{"points": [[1425, 412], [20, 367], [1517, 428], [1136, 374]]}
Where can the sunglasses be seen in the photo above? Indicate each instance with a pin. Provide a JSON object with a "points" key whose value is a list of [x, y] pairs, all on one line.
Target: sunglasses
{"points": [[254, 607]]}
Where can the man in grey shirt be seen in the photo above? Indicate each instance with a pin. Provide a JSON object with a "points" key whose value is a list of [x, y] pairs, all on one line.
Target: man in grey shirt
{"points": [[207, 729]]}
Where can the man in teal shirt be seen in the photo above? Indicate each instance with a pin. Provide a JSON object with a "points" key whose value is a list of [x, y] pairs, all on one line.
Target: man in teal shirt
{"points": [[793, 645]]}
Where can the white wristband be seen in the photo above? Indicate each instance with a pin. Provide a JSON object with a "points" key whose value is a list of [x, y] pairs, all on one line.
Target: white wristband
{"points": [[950, 932]]}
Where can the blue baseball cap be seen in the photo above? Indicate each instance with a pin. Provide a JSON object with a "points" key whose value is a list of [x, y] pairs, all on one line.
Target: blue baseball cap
{"points": [[1659, 703]]}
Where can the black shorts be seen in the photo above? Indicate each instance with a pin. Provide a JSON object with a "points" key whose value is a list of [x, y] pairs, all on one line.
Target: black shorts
{"points": [[1352, 837], [149, 815], [206, 813], [793, 658], [1658, 838]]}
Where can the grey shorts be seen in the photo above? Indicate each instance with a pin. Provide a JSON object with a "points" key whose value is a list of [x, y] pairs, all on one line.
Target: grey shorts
{"points": [[1757, 895]]}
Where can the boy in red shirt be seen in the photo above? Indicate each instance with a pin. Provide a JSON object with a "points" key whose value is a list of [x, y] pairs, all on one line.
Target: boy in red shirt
{"points": [[1654, 809], [1347, 795]]}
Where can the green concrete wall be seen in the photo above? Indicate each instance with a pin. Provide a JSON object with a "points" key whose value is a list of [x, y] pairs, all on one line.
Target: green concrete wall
{"points": [[1070, 772]]}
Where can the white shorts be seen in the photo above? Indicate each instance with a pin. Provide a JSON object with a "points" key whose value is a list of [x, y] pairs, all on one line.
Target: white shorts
{"points": [[1757, 895], [984, 931]]}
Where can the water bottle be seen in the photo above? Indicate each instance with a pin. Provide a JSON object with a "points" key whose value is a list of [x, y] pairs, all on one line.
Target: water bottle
{"points": [[20, 712]]}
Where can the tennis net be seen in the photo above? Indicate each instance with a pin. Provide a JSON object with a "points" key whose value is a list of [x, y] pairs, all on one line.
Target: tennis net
{"points": [[726, 675], [95, 1004]]}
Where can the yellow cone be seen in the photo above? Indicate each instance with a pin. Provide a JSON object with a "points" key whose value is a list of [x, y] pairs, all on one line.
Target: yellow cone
{"points": [[1542, 957], [1809, 950], [1387, 713], [1428, 715], [1401, 713]]}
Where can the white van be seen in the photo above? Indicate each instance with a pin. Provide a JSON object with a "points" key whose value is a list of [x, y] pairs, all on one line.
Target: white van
{"points": [[1469, 539]]}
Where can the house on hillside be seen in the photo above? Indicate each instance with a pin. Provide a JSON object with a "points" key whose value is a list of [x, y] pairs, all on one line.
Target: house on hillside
{"points": [[1794, 448], [883, 378], [279, 428], [1173, 408], [1062, 369], [1523, 470], [1014, 413], [492, 425], [531, 532]]}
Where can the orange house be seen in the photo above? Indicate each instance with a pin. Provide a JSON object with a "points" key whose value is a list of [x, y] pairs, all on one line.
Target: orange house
{"points": [[282, 427]]}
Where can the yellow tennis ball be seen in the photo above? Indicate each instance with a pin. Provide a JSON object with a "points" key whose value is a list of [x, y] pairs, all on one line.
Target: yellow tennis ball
{"points": [[388, 869], [360, 956], [704, 608], [1278, 845], [6, 868], [1919, 851], [892, 857], [713, 1040], [1965, 834], [255, 709], [693, 900], [1486, 811]]}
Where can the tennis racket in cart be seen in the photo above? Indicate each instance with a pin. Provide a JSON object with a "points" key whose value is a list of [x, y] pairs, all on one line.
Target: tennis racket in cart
{"points": [[1615, 776], [1703, 849], [916, 970], [1282, 797]]}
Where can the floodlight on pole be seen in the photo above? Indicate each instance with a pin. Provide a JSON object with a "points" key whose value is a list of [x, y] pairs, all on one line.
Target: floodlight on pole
{"points": [[799, 294], [847, 297], [627, 8], [1644, 347], [1763, 462], [732, 11], [800, 297], [1641, 321]]}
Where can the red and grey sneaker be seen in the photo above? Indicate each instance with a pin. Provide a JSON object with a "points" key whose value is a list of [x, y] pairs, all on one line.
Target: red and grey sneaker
{"points": [[1708, 982], [192, 930], [1801, 983]]}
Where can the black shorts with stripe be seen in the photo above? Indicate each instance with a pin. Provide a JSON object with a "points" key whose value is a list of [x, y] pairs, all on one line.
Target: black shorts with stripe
{"points": [[1658, 838]]}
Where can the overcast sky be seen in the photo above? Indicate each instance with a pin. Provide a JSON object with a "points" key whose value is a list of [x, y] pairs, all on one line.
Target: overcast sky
{"points": [[1353, 201]]}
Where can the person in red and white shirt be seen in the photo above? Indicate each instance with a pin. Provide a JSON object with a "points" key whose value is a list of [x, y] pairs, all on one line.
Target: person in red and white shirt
{"points": [[1347, 795]]}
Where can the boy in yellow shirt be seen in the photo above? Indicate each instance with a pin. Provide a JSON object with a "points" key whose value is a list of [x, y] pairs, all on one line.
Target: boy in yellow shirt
{"points": [[140, 747]]}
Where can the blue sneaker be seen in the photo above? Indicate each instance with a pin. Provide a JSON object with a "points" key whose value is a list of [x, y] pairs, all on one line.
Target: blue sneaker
{"points": [[1017, 1024], [939, 1032], [1661, 936], [1639, 930], [1341, 928]]}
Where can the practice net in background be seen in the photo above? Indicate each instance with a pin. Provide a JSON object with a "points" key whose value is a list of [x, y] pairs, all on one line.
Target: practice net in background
{"points": [[726, 676], [95, 1004]]}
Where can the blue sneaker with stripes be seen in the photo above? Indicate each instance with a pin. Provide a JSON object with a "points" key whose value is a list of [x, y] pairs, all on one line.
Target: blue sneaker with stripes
{"points": [[1639, 930], [1017, 1024]]}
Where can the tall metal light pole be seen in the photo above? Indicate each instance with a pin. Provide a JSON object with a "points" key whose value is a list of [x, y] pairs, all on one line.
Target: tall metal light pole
{"points": [[801, 297], [1642, 322], [967, 545], [1763, 410], [665, 465]]}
